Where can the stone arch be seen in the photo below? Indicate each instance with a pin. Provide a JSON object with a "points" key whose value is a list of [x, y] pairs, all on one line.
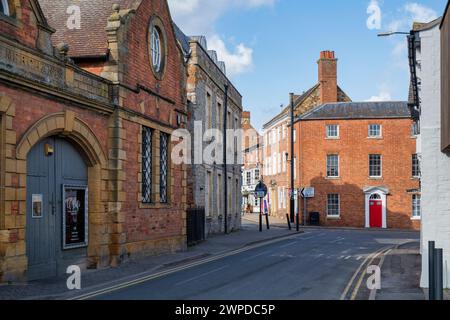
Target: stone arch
{"points": [[66, 124]]}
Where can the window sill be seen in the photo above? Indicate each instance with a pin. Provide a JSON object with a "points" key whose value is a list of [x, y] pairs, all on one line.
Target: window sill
{"points": [[333, 217], [416, 218], [333, 178], [333, 138], [155, 206], [375, 178]]}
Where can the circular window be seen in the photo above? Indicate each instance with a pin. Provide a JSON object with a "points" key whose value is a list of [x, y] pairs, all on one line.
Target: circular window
{"points": [[156, 49], [157, 46]]}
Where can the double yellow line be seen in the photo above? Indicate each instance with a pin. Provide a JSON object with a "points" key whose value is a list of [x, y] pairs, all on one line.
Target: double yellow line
{"points": [[361, 271], [141, 280]]}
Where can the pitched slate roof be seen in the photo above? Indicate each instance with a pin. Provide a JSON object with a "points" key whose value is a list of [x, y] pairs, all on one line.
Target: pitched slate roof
{"points": [[297, 100], [90, 40], [359, 110], [182, 38]]}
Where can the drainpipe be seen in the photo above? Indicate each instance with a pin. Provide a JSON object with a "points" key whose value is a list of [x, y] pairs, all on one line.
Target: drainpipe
{"points": [[225, 169]]}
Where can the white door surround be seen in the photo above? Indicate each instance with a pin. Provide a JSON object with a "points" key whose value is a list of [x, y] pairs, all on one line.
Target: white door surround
{"points": [[379, 192]]}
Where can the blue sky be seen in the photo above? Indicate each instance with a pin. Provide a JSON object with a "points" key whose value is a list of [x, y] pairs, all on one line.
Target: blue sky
{"points": [[271, 46]]}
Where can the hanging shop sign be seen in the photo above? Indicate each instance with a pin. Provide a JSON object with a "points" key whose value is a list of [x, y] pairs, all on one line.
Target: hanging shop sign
{"points": [[75, 217]]}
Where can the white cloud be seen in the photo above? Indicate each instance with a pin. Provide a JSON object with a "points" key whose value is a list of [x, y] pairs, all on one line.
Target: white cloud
{"points": [[409, 13], [237, 62], [199, 17], [383, 95]]}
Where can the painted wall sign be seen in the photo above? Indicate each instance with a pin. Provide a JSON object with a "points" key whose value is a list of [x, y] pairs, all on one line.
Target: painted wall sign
{"points": [[37, 203], [75, 217]]}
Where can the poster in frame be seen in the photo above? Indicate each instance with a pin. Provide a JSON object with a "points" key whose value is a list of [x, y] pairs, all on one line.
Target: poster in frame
{"points": [[75, 216]]}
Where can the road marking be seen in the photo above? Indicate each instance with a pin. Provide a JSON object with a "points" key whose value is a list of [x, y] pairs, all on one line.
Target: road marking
{"points": [[200, 276], [257, 255], [363, 274], [160, 274], [350, 283], [337, 240], [288, 245], [359, 258], [348, 257]]}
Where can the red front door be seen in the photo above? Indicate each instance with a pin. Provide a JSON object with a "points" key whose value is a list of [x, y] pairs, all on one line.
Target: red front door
{"points": [[376, 213]]}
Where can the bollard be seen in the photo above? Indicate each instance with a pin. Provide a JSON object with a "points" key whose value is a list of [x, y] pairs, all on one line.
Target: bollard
{"points": [[289, 221], [267, 222], [431, 271], [438, 274], [298, 222]]}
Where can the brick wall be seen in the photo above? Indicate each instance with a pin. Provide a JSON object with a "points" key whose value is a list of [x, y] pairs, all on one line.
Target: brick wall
{"points": [[353, 147]]}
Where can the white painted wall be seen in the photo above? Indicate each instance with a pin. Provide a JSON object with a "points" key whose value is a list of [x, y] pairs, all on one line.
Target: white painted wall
{"points": [[435, 164]]}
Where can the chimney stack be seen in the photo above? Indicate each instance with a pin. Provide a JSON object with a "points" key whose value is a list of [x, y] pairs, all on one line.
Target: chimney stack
{"points": [[328, 77]]}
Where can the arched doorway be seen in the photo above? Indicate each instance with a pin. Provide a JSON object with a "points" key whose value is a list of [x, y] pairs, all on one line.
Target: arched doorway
{"points": [[57, 215], [376, 207]]}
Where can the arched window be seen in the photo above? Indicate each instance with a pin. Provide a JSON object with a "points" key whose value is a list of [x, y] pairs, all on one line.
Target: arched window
{"points": [[375, 197], [4, 7]]}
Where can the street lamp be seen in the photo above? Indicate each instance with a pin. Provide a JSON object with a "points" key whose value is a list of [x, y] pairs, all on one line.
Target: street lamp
{"points": [[391, 33], [292, 202]]}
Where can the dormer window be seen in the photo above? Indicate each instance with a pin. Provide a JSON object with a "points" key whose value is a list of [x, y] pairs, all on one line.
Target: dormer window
{"points": [[4, 7]]}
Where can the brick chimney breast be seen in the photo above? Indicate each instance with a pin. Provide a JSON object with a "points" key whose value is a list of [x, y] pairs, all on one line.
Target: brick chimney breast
{"points": [[328, 77]]}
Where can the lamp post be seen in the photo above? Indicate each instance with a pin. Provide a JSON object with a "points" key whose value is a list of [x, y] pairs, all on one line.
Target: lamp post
{"points": [[292, 202]]}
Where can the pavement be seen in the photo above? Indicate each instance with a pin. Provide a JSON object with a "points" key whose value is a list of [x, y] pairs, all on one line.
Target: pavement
{"points": [[56, 288]]}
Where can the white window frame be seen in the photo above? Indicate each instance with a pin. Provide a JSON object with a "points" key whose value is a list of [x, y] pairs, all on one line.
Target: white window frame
{"points": [[156, 49], [5, 8], [256, 176], [339, 206], [416, 206], [328, 131], [380, 135], [414, 166], [338, 166], [381, 167]]}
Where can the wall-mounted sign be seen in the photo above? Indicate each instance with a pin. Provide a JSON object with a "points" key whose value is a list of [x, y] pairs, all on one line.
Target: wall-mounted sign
{"points": [[37, 203], [75, 217]]}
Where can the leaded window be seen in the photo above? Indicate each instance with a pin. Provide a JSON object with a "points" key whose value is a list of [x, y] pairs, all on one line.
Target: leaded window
{"points": [[164, 167], [147, 135], [375, 169], [333, 166]]}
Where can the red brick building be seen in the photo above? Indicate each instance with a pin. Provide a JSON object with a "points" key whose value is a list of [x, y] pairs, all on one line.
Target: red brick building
{"points": [[361, 159], [86, 116], [277, 133]]}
